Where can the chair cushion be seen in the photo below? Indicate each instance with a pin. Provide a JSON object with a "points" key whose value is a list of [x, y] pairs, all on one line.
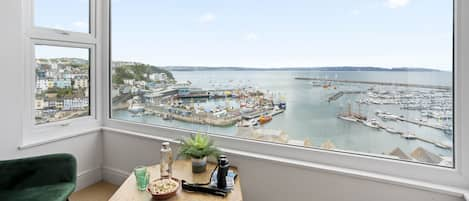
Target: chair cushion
{"points": [[56, 192]]}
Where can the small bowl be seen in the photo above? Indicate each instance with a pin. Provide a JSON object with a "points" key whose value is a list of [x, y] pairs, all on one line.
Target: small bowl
{"points": [[164, 196]]}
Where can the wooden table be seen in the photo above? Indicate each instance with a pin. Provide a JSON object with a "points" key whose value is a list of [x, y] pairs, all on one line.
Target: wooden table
{"points": [[182, 169]]}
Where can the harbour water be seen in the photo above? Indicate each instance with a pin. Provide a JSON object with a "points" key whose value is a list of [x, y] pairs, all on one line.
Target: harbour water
{"points": [[309, 115]]}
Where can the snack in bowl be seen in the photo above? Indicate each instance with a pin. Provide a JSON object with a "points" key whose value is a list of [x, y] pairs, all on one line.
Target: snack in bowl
{"points": [[162, 189]]}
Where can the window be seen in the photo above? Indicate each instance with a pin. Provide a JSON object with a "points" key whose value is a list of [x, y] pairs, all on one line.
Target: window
{"points": [[63, 15], [373, 78], [60, 47], [62, 83]]}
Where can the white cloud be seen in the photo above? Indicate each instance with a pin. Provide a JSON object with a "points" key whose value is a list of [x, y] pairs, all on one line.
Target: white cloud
{"points": [[397, 3], [251, 36], [207, 18]]}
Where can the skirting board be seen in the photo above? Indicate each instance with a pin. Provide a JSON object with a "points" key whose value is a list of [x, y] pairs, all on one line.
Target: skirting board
{"points": [[88, 177], [114, 176]]}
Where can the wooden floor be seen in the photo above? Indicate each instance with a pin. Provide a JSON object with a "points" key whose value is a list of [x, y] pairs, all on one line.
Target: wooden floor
{"points": [[100, 191]]}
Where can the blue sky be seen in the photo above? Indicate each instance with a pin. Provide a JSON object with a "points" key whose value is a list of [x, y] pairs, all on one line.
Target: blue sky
{"points": [[274, 33], [72, 15]]}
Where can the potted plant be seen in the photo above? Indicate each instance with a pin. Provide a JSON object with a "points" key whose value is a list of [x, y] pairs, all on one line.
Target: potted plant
{"points": [[198, 147]]}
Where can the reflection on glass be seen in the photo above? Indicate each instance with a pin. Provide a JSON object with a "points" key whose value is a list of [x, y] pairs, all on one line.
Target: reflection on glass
{"points": [[70, 15], [62, 83], [372, 79]]}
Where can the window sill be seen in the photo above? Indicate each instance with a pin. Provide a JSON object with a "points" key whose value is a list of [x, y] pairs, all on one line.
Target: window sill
{"points": [[410, 183], [29, 142]]}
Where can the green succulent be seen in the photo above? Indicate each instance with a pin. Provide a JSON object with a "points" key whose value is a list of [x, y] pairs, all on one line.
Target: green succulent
{"points": [[198, 146]]}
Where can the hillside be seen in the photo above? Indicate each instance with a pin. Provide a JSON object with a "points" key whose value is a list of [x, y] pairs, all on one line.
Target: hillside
{"points": [[137, 71]]}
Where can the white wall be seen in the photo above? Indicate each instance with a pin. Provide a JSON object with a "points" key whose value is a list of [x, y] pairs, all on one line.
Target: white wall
{"points": [[264, 180], [86, 148]]}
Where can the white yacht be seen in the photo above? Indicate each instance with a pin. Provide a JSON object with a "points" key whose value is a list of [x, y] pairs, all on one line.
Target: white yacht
{"points": [[348, 118], [372, 123]]}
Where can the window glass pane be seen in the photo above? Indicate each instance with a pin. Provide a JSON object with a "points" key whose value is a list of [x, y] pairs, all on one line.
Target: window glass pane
{"points": [[69, 15], [368, 77], [62, 83]]}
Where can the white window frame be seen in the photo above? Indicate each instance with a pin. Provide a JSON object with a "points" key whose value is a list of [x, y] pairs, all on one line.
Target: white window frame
{"points": [[57, 34], [360, 165], [34, 35]]}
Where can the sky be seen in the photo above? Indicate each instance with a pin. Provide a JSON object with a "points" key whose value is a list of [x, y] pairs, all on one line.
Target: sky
{"points": [[50, 52], [270, 33]]}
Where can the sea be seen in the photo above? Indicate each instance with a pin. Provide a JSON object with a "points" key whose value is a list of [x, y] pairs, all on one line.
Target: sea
{"points": [[310, 116]]}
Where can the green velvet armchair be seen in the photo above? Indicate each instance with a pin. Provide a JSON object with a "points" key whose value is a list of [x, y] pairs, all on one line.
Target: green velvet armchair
{"points": [[48, 178]]}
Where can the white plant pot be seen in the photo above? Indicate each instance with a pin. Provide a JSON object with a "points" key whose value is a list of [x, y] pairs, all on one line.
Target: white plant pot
{"points": [[199, 165]]}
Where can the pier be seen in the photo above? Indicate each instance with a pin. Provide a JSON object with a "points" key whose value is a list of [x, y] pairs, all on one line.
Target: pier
{"points": [[259, 113], [433, 142], [422, 124], [340, 94], [380, 83], [406, 136], [402, 134], [191, 117]]}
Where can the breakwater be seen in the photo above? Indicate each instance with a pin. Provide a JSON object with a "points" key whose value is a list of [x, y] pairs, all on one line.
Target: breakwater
{"points": [[441, 87]]}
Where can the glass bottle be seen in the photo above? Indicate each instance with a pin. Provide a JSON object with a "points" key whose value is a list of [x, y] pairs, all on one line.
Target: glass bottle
{"points": [[166, 161]]}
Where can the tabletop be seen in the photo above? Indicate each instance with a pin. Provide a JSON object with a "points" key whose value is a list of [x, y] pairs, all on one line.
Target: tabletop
{"points": [[182, 170]]}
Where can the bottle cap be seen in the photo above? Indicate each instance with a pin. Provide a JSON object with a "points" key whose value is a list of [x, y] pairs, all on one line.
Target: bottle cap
{"points": [[224, 162], [165, 144]]}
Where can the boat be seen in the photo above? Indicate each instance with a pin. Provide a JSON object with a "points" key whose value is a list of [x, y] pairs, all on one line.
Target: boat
{"points": [[282, 105], [167, 116], [264, 119], [387, 116], [392, 130], [372, 123], [348, 118], [246, 110], [220, 113], [136, 107], [409, 136], [248, 123], [242, 104], [443, 146]]}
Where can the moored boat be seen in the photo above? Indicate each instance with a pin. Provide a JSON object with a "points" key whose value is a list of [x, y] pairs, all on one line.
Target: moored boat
{"points": [[136, 107], [392, 130], [372, 123], [348, 118], [264, 119], [248, 123], [409, 136]]}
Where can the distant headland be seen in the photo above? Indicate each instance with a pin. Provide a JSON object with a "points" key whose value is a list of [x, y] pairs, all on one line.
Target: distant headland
{"points": [[334, 68]]}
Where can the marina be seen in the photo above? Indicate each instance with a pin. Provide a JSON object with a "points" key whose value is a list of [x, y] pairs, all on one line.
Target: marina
{"points": [[298, 112], [409, 136]]}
